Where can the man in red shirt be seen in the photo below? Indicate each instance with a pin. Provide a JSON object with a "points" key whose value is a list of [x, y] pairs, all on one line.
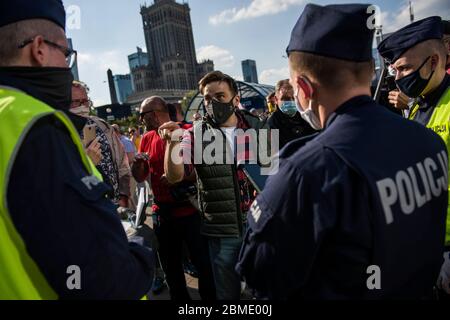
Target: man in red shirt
{"points": [[175, 218]]}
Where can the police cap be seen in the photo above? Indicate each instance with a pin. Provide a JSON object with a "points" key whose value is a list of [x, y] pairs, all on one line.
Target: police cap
{"points": [[393, 47], [336, 31], [19, 10]]}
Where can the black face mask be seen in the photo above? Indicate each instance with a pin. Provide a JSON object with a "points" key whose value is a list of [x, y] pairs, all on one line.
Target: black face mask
{"points": [[50, 84], [413, 84], [220, 112]]}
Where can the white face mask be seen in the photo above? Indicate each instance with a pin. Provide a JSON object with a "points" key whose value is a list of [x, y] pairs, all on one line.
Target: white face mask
{"points": [[308, 115]]}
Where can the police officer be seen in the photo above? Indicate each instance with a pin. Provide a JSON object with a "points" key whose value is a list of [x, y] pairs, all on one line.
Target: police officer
{"points": [[419, 56], [59, 236], [362, 215]]}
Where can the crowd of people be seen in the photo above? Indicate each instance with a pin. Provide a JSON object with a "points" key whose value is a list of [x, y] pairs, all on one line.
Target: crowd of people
{"points": [[350, 186]]}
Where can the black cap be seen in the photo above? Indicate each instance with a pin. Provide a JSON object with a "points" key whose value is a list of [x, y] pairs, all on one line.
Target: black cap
{"points": [[19, 10], [446, 26], [393, 47], [336, 31]]}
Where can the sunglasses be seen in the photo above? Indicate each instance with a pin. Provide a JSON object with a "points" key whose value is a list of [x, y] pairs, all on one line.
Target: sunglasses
{"points": [[142, 114]]}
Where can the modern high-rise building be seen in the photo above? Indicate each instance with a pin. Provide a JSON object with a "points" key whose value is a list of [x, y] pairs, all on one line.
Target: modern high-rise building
{"points": [[112, 87], [122, 84], [120, 87], [138, 63], [249, 71], [170, 46], [138, 59]]}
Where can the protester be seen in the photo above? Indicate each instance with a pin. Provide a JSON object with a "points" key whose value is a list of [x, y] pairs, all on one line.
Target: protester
{"points": [[350, 213], [271, 103], [128, 146], [175, 218], [114, 165], [286, 118], [135, 136], [225, 193]]}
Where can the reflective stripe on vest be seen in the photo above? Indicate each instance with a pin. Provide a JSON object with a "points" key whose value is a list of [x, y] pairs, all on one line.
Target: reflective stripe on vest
{"points": [[20, 277], [440, 123]]}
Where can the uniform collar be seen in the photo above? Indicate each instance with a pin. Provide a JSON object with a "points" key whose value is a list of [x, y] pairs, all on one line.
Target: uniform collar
{"points": [[433, 98], [15, 84], [347, 107]]}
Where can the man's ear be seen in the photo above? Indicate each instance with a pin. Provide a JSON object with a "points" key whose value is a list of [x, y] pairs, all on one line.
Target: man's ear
{"points": [[38, 52], [434, 61], [305, 85], [237, 100]]}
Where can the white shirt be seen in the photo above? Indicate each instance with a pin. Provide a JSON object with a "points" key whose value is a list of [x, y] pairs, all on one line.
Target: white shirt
{"points": [[230, 134]]}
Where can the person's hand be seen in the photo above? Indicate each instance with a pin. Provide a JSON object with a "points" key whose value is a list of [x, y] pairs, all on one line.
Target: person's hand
{"points": [[165, 182], [398, 99], [140, 168], [170, 131], [197, 117], [123, 201], [141, 157], [94, 151]]}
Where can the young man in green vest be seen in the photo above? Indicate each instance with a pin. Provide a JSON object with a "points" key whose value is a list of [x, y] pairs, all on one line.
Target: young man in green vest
{"points": [[225, 193], [59, 235], [419, 56]]}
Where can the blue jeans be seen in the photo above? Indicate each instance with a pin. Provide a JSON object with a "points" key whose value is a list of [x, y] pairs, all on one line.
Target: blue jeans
{"points": [[224, 254]]}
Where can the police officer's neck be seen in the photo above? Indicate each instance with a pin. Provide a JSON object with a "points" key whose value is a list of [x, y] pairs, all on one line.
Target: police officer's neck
{"points": [[329, 101], [435, 81]]}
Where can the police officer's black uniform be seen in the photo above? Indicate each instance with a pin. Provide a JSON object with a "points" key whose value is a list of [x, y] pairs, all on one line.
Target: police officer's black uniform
{"points": [[353, 202], [62, 221]]}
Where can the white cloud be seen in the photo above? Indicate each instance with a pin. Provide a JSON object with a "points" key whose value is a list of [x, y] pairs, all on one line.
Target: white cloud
{"points": [[272, 76], [93, 67], [393, 21], [257, 8], [222, 58], [238, 77]]}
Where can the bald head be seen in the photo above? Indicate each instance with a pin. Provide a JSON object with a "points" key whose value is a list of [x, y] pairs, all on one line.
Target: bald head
{"points": [[154, 103], [154, 112]]}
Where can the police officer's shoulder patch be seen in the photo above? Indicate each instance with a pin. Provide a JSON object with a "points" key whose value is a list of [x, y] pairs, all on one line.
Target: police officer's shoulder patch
{"points": [[259, 215], [89, 188]]}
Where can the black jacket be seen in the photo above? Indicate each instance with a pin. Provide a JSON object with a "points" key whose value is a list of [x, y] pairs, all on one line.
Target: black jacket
{"points": [[290, 128]]}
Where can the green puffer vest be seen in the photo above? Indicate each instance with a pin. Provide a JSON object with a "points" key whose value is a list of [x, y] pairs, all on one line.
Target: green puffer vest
{"points": [[218, 188]]}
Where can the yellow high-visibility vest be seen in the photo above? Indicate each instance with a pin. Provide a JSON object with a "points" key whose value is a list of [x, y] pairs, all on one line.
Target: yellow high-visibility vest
{"points": [[20, 277], [440, 123]]}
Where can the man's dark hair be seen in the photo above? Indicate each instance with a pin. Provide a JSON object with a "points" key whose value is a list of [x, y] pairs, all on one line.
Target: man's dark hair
{"points": [[333, 73], [217, 76], [14, 34], [281, 84]]}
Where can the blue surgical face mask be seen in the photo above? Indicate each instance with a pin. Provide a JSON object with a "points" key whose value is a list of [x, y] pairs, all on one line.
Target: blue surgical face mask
{"points": [[289, 108], [413, 84]]}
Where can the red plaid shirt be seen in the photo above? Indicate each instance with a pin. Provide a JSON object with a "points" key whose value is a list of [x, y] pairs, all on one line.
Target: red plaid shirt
{"points": [[244, 153]]}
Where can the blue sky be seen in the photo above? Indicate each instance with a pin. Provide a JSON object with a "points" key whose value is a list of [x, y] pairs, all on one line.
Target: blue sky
{"points": [[227, 31]]}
